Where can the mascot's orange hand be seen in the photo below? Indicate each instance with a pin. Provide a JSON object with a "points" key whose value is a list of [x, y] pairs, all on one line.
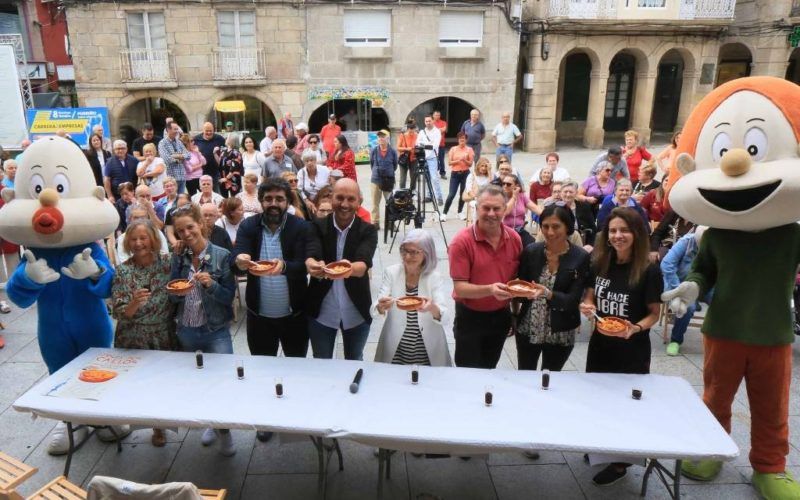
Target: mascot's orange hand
{"points": [[83, 266], [38, 271]]}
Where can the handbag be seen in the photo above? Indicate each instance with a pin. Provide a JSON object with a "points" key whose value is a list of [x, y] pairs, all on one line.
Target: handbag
{"points": [[387, 183], [404, 159]]}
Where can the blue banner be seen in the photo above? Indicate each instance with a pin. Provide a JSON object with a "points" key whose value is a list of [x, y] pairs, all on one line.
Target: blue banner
{"points": [[76, 122]]}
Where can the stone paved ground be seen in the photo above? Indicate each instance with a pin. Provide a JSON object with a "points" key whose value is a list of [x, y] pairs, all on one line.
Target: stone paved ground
{"points": [[261, 471]]}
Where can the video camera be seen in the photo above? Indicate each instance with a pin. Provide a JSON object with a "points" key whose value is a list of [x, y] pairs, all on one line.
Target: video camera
{"points": [[400, 206]]}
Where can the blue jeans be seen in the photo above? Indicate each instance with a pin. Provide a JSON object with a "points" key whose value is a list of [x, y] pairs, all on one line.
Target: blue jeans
{"points": [[440, 159], [477, 149], [197, 339], [504, 150], [323, 339], [433, 168], [181, 186], [458, 183]]}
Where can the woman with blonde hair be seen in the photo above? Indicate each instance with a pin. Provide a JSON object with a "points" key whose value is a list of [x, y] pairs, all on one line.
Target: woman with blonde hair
{"points": [[413, 337], [152, 171], [634, 153], [193, 166], [139, 298], [480, 176]]}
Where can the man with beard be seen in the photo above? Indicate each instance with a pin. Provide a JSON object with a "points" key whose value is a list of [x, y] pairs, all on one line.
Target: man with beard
{"points": [[342, 303], [483, 258], [276, 298]]}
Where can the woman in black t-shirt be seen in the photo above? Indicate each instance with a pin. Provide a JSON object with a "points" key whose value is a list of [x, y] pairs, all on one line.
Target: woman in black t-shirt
{"points": [[627, 286]]}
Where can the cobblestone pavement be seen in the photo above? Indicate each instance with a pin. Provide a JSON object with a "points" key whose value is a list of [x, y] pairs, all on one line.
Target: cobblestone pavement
{"points": [[288, 471]]}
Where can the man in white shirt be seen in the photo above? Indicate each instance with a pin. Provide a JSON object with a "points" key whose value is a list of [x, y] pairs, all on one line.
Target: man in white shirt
{"points": [[504, 136], [429, 138], [560, 174], [270, 134]]}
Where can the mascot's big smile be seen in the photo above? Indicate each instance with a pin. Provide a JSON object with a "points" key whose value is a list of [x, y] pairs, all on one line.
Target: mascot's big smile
{"points": [[739, 200]]}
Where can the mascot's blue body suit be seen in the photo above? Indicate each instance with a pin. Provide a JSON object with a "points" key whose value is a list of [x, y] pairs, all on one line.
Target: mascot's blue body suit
{"points": [[72, 313]]}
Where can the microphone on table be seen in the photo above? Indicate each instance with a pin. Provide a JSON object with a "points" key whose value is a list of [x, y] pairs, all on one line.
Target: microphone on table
{"points": [[356, 381]]}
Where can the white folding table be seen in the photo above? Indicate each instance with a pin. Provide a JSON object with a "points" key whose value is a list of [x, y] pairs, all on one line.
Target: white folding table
{"points": [[445, 413]]}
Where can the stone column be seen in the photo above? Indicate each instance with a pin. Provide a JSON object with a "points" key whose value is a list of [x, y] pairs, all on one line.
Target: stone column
{"points": [[644, 91], [594, 133]]}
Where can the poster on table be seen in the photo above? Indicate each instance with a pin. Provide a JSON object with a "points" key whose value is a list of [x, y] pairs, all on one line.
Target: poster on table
{"points": [[13, 129], [102, 372], [77, 122]]}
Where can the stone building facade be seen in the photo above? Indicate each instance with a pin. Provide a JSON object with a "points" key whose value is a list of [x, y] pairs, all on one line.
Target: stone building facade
{"points": [[172, 56], [603, 66]]}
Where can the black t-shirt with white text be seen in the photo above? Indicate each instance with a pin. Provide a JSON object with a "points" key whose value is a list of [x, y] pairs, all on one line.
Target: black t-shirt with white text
{"points": [[613, 295]]}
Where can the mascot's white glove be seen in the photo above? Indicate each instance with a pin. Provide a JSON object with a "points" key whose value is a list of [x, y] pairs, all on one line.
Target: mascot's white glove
{"points": [[83, 266], [680, 298], [38, 271]]}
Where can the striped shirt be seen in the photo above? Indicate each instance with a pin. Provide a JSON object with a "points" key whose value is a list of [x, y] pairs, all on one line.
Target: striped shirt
{"points": [[411, 349], [167, 148], [193, 313], [274, 299]]}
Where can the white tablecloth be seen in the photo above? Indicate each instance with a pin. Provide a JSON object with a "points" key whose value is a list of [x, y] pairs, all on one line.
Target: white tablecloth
{"points": [[444, 413]]}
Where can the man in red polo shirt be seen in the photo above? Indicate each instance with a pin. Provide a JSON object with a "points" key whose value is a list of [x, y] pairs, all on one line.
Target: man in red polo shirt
{"points": [[483, 258], [328, 133]]}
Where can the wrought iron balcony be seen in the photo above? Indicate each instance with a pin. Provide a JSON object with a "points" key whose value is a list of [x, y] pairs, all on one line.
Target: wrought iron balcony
{"points": [[146, 66], [239, 63]]}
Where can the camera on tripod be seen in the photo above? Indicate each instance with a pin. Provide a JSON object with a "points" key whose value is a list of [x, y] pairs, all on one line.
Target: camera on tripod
{"points": [[400, 206]]}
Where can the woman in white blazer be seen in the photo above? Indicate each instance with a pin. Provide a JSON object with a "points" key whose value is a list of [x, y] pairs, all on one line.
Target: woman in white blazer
{"points": [[413, 337]]}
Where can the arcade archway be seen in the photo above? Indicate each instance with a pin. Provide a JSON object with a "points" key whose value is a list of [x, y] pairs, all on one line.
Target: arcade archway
{"points": [[154, 110], [454, 110]]}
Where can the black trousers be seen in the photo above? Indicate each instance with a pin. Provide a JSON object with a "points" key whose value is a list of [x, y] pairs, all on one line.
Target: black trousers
{"points": [[480, 336], [264, 335], [553, 356], [192, 186], [617, 355]]}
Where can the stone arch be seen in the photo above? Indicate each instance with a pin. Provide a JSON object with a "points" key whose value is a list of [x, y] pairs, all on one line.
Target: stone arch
{"points": [[258, 114], [735, 60], [793, 67], [128, 124], [223, 94], [574, 79]]}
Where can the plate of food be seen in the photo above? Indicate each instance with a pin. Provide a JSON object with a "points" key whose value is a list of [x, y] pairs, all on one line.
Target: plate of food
{"points": [[337, 270], [262, 267], [612, 326], [520, 288], [95, 375], [409, 303], [180, 286]]}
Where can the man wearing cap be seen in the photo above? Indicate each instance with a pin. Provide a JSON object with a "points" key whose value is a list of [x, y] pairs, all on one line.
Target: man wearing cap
{"points": [[231, 132], [328, 133], [383, 163]]}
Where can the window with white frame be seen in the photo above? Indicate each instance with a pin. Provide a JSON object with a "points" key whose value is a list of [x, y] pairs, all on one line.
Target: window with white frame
{"points": [[146, 31], [237, 28], [460, 29], [652, 3], [367, 28]]}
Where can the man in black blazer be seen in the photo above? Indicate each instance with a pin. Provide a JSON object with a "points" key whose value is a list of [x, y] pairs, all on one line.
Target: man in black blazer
{"points": [[341, 303], [276, 302]]}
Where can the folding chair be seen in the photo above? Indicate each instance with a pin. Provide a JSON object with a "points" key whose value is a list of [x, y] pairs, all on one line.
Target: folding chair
{"points": [[59, 489], [13, 473]]}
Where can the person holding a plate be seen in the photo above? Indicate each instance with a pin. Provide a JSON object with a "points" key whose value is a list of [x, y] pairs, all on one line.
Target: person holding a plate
{"points": [[549, 317], [340, 300], [204, 313], [627, 287], [414, 336], [139, 299]]}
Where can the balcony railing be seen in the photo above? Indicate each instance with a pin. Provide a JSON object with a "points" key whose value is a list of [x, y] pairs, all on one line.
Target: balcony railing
{"points": [[583, 9], [610, 9], [147, 65], [238, 63], [707, 9], [795, 12]]}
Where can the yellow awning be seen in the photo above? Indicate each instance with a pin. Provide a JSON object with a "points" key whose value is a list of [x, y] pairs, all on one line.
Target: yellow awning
{"points": [[229, 106]]}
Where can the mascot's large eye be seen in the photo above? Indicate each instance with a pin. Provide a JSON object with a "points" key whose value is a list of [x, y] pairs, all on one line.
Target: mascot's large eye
{"points": [[721, 145], [36, 185], [755, 141], [61, 183]]}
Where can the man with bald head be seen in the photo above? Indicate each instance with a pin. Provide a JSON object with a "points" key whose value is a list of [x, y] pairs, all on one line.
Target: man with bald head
{"points": [[144, 199], [343, 303], [208, 142]]}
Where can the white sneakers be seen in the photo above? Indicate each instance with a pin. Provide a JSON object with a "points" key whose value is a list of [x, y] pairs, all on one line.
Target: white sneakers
{"points": [[462, 216], [59, 440], [443, 217], [107, 436], [226, 447], [208, 437]]}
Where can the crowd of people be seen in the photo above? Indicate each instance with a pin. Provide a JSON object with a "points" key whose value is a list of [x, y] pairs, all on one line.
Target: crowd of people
{"points": [[208, 207]]}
